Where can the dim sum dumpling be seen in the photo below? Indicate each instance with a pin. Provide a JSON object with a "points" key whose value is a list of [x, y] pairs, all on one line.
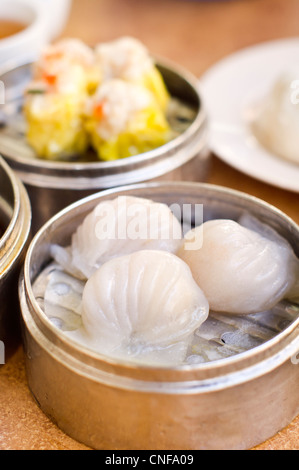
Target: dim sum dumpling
{"points": [[145, 304], [55, 100], [119, 227], [68, 66], [128, 59], [277, 123], [124, 119], [48, 116], [241, 271]]}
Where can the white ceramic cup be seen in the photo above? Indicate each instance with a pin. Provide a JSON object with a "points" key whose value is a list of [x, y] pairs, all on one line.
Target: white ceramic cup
{"points": [[31, 38], [44, 20], [56, 14]]}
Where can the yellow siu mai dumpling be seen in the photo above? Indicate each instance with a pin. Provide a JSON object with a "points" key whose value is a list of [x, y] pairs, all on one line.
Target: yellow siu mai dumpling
{"points": [[68, 66], [55, 128], [128, 59], [124, 119]]}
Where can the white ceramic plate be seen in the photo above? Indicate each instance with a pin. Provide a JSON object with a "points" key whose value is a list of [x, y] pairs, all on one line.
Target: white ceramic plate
{"points": [[230, 90]]}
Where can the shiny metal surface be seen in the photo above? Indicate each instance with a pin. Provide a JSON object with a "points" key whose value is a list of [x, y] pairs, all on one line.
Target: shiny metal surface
{"points": [[232, 403], [54, 185], [15, 220]]}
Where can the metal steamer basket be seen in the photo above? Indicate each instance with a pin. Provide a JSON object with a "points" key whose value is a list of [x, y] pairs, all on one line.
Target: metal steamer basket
{"points": [[15, 220], [54, 185], [236, 400]]}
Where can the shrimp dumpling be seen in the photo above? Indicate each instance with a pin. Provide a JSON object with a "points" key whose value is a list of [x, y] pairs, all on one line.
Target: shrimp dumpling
{"points": [[119, 227], [239, 270], [69, 66], [276, 125], [144, 306], [55, 100], [49, 114], [124, 119], [128, 59]]}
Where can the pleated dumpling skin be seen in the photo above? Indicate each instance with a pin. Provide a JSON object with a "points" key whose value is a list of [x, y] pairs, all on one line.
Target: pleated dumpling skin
{"points": [[239, 270], [120, 227], [146, 305]]}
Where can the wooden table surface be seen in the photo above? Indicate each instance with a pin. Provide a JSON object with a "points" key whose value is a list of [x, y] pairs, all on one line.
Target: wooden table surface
{"points": [[196, 35]]}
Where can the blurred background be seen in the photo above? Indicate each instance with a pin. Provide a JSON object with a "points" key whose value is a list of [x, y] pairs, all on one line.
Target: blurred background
{"points": [[191, 32], [194, 33]]}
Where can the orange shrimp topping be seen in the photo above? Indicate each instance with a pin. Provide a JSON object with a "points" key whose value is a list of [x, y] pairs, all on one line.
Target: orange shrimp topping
{"points": [[98, 111]]}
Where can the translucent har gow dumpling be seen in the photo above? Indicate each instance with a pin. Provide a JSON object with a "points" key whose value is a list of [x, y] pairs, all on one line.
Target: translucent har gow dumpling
{"points": [[119, 227], [276, 125], [241, 271], [144, 305]]}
